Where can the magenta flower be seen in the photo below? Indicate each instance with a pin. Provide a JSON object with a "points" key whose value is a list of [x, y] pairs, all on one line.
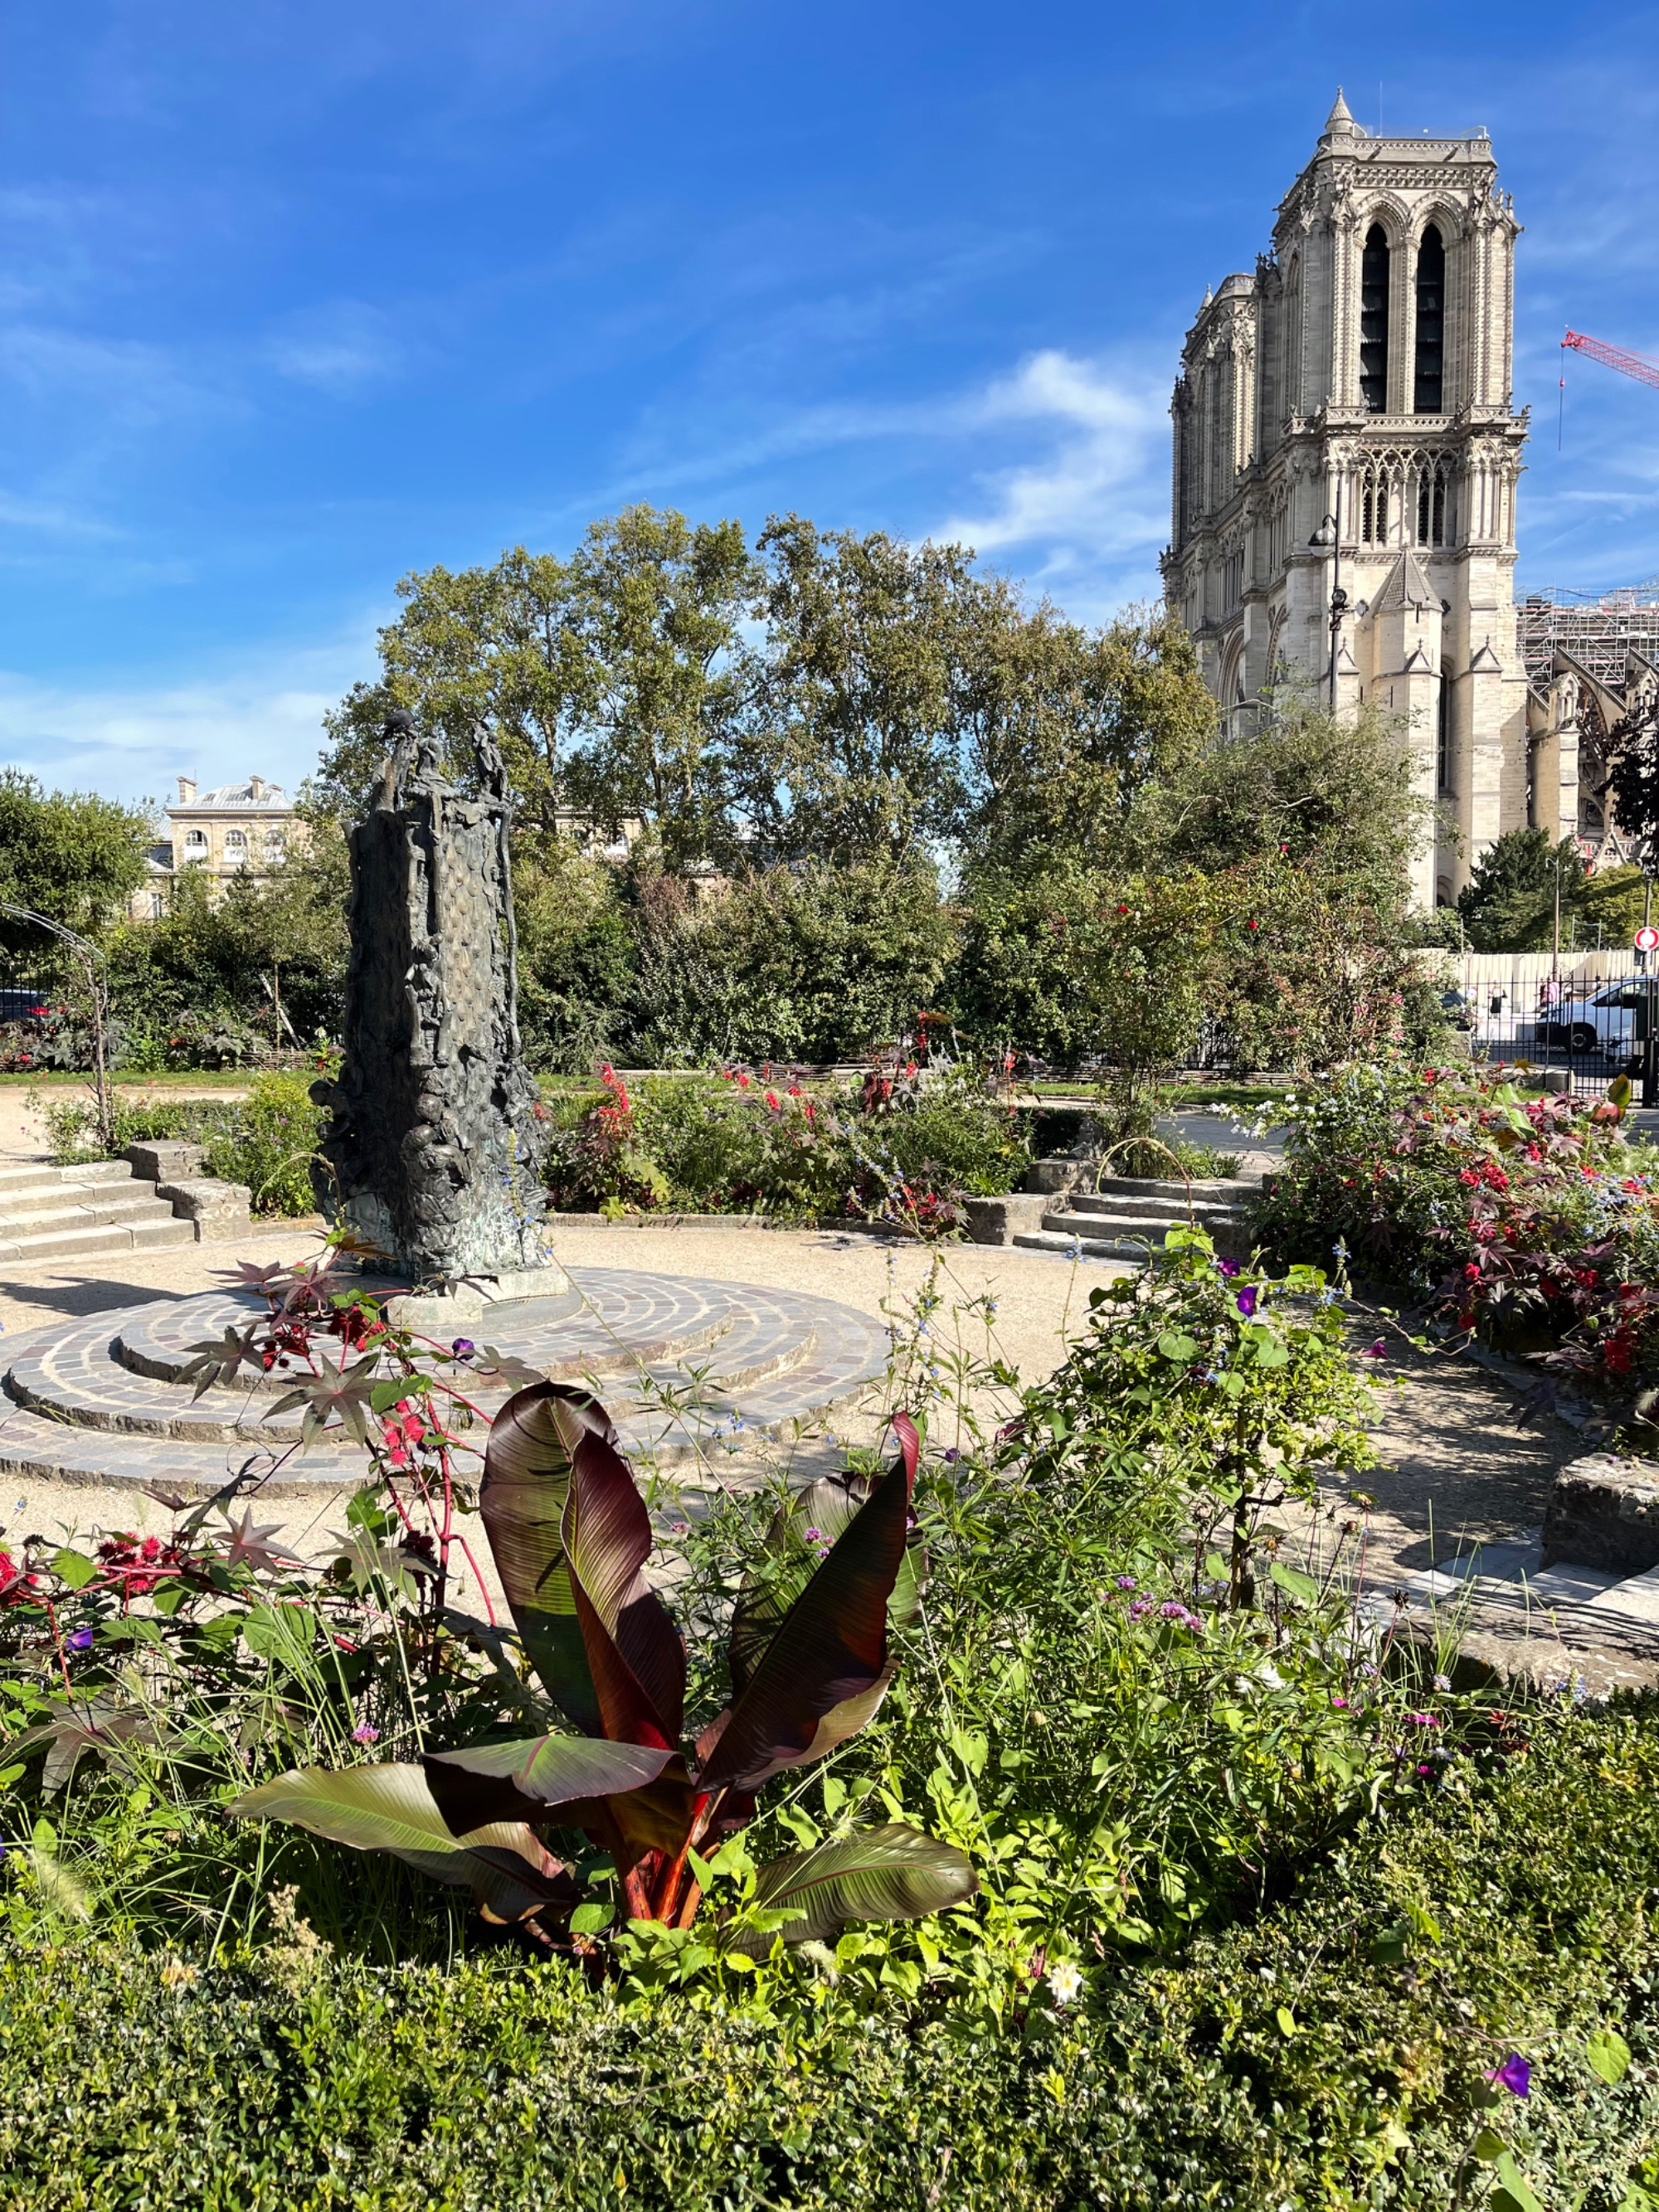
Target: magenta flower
{"points": [[1228, 1266], [812, 1536], [1247, 1300], [364, 1733], [1515, 2075], [1376, 1351], [1126, 1582]]}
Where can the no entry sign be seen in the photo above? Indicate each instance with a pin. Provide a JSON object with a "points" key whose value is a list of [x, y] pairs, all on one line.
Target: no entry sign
{"points": [[1647, 940]]}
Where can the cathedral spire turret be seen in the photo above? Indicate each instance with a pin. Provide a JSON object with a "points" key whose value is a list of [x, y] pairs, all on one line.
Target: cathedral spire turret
{"points": [[1340, 124]]}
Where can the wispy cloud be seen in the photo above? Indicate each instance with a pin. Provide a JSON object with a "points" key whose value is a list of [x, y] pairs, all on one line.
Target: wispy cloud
{"points": [[1092, 500], [337, 346], [263, 715]]}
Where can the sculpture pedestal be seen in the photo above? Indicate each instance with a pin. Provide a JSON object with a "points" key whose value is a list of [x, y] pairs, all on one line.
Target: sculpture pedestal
{"points": [[471, 1298]]}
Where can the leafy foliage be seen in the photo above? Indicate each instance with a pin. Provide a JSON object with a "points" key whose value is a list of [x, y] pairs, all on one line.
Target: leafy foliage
{"points": [[74, 858]]}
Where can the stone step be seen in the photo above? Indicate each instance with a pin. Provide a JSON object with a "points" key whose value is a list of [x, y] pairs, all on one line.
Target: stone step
{"points": [[1121, 1204], [92, 1241], [1227, 1189], [1093, 1246], [1152, 1227], [24, 1188], [72, 1209]]}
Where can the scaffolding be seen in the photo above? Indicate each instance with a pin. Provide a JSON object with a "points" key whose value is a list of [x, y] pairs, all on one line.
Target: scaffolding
{"points": [[1600, 630]]}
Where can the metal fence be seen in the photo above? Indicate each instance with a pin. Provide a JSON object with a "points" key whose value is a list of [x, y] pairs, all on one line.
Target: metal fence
{"points": [[1589, 1023]]}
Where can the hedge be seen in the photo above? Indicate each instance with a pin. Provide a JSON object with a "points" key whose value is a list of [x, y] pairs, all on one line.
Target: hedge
{"points": [[1330, 2055]]}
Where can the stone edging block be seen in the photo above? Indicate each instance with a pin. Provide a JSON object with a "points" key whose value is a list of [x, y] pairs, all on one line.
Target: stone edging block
{"points": [[1604, 1512], [218, 1211]]}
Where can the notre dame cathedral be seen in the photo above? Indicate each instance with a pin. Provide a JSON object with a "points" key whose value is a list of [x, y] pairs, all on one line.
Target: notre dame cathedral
{"points": [[1347, 454]]}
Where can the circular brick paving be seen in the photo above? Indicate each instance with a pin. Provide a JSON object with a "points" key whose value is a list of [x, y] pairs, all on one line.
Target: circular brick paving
{"points": [[686, 1367]]}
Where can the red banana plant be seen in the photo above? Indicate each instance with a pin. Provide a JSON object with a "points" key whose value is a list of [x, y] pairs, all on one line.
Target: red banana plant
{"points": [[810, 1663]]}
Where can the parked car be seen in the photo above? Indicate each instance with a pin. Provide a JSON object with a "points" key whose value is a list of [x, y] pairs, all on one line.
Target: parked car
{"points": [[1602, 1027], [22, 1006]]}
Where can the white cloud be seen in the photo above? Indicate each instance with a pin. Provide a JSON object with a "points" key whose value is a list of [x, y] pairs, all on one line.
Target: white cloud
{"points": [[341, 344], [261, 717], [1093, 500]]}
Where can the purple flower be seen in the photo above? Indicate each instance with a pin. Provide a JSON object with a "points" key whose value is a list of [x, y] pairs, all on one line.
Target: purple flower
{"points": [[1140, 1609], [364, 1733], [952, 1455], [1515, 2075], [80, 1641], [463, 1347], [812, 1536], [1126, 1582], [1246, 1300], [1376, 1351], [1228, 1266]]}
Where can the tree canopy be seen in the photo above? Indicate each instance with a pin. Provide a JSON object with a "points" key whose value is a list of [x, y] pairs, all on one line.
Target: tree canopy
{"points": [[70, 855]]}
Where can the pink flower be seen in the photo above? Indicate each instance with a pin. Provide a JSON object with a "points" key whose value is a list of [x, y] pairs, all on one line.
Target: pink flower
{"points": [[364, 1733]]}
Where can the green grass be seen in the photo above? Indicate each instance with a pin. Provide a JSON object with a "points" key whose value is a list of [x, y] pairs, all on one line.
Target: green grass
{"points": [[174, 1079]]}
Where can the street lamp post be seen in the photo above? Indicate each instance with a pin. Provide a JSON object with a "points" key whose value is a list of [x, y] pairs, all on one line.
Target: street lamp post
{"points": [[1329, 533]]}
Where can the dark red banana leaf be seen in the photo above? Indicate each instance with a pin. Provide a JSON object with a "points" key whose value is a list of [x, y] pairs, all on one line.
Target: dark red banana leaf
{"points": [[828, 1651], [570, 1534]]}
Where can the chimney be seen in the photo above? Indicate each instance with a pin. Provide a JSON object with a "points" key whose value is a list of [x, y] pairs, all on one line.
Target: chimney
{"points": [[256, 786], [186, 790]]}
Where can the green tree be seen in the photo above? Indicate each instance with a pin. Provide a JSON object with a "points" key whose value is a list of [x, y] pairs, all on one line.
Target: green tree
{"points": [[861, 699], [1330, 792], [607, 681], [1509, 904], [1069, 727], [71, 855]]}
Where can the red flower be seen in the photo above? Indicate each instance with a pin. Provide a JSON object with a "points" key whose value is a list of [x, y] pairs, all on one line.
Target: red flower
{"points": [[772, 1101]]}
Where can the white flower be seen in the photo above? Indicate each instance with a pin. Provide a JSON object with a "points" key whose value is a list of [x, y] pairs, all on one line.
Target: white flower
{"points": [[1064, 1984]]}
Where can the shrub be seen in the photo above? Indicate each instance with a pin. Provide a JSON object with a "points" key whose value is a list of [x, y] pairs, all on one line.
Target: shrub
{"points": [[72, 1124], [1333, 2052], [268, 1141]]}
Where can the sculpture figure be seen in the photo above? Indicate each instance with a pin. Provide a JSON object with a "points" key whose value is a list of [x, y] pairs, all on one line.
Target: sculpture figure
{"points": [[434, 1150]]}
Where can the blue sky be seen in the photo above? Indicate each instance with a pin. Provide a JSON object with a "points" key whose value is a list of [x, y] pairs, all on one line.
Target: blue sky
{"points": [[294, 298]]}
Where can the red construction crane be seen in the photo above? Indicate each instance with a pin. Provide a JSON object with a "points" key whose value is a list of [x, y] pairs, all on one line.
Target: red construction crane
{"points": [[1627, 364]]}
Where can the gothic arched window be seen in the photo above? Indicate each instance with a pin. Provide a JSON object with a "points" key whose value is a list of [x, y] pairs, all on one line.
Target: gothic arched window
{"points": [[1374, 321], [1431, 323]]}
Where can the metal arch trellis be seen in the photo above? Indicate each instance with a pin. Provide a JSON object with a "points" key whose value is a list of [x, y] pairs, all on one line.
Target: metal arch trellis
{"points": [[96, 969]]}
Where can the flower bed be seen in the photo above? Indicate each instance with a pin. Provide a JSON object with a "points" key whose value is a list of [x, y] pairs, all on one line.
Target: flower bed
{"points": [[903, 1149], [1531, 1223]]}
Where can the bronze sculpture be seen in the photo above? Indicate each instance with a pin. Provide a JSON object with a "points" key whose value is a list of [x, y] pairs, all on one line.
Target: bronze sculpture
{"points": [[434, 1151]]}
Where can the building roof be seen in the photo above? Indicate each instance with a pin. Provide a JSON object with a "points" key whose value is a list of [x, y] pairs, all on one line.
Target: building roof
{"points": [[255, 796]]}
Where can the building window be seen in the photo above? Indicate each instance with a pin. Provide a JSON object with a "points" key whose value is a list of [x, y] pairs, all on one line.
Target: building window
{"points": [[1431, 502], [157, 906], [1232, 583], [195, 841], [1374, 508], [1374, 321], [1443, 742], [1431, 323]]}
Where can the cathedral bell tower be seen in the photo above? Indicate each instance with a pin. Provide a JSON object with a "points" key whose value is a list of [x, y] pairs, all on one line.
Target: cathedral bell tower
{"points": [[1345, 460]]}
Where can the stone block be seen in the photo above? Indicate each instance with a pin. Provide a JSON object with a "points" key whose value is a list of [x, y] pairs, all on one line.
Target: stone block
{"points": [[1053, 1178], [998, 1220], [164, 1162], [218, 1211], [1604, 1512]]}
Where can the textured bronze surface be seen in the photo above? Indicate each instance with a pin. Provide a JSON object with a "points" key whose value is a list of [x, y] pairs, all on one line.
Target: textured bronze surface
{"points": [[433, 1150]]}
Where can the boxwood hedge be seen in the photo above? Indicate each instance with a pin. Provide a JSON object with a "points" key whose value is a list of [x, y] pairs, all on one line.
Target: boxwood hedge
{"points": [[1331, 2054]]}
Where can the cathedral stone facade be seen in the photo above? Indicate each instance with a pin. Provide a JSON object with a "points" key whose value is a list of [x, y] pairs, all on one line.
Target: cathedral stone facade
{"points": [[1347, 453]]}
